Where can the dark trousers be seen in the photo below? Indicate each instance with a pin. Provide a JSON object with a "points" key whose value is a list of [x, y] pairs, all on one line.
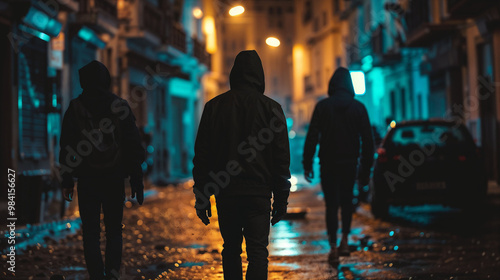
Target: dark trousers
{"points": [[247, 217], [337, 182], [92, 195]]}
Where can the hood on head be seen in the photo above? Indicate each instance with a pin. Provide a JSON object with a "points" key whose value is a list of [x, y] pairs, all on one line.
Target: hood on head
{"points": [[94, 77], [341, 88], [247, 72], [341, 82]]}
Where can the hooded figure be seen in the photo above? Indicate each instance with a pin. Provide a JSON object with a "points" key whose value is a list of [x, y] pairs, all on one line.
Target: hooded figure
{"points": [[98, 124], [242, 157], [341, 126]]}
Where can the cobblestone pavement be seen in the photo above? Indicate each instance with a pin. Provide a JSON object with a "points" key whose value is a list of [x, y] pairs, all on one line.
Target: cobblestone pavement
{"points": [[164, 239]]}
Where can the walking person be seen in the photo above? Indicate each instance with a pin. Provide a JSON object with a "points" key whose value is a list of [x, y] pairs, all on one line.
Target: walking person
{"points": [[242, 156], [339, 123], [100, 146]]}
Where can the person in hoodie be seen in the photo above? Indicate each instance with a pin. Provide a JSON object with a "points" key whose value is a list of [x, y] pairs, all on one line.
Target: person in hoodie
{"points": [[339, 123], [242, 156], [100, 146]]}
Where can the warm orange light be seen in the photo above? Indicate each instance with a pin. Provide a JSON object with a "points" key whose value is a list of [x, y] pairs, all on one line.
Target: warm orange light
{"points": [[236, 11], [273, 41], [210, 35], [197, 13]]}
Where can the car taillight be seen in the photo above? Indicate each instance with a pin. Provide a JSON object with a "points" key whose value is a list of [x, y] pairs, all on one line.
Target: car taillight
{"points": [[382, 156], [462, 158]]}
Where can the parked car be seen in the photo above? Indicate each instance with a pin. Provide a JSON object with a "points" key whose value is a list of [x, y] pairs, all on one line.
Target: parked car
{"points": [[427, 162]]}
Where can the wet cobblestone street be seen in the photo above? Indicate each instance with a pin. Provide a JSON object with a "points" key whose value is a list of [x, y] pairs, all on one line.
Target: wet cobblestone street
{"points": [[164, 239]]}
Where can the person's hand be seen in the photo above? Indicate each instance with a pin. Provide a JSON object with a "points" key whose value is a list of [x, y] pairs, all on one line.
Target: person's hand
{"points": [[279, 211], [363, 181], [137, 187], [68, 194], [204, 214], [309, 175]]}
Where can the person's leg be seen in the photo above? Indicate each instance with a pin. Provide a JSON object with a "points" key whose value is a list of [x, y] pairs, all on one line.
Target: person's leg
{"points": [[331, 197], [230, 224], [345, 186], [90, 210], [112, 207], [256, 232]]}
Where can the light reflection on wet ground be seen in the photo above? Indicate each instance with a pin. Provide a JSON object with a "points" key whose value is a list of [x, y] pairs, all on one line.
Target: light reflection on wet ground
{"points": [[165, 238]]}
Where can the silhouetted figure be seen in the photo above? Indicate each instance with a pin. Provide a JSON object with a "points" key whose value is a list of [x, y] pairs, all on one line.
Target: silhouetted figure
{"points": [[338, 123], [100, 146], [242, 156]]}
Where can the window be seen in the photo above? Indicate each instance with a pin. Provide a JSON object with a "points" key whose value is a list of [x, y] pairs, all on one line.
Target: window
{"points": [[279, 23], [316, 24], [393, 103], [308, 11], [336, 6], [278, 10], [403, 104]]}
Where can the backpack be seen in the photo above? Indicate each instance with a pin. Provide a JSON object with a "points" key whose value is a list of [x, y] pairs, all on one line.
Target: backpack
{"points": [[106, 151]]}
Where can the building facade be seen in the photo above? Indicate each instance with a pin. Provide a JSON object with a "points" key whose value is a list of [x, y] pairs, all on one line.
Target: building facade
{"points": [[155, 51]]}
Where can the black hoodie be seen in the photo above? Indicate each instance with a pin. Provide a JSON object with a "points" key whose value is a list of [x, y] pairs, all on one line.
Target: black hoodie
{"points": [[242, 143], [96, 98], [338, 123]]}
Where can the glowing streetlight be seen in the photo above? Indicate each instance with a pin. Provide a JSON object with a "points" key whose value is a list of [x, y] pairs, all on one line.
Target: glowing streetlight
{"points": [[273, 41], [197, 13], [236, 10]]}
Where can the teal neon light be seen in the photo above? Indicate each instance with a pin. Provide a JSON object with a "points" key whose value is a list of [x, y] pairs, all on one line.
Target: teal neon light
{"points": [[35, 33], [89, 35], [42, 22]]}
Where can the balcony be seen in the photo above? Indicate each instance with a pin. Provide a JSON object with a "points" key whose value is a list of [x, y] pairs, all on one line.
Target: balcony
{"points": [[144, 22], [380, 54], [349, 8], [176, 37], [200, 53], [462, 9], [422, 31], [101, 15]]}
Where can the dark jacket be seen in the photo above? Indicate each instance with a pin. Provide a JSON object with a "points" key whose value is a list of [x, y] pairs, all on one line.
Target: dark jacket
{"points": [[101, 104], [338, 123], [242, 143]]}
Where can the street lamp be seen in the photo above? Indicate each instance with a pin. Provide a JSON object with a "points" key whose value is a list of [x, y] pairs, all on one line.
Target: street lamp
{"points": [[272, 41], [197, 13], [236, 10]]}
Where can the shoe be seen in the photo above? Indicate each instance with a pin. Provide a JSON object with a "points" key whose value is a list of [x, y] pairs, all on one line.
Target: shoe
{"points": [[344, 248], [333, 257]]}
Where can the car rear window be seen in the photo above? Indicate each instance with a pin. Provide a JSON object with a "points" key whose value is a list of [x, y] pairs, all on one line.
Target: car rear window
{"points": [[434, 134]]}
